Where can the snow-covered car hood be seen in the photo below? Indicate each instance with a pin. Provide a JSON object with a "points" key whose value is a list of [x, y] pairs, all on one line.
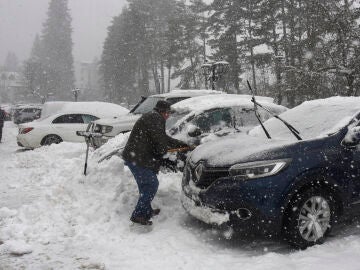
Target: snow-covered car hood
{"points": [[243, 148], [114, 121], [238, 148]]}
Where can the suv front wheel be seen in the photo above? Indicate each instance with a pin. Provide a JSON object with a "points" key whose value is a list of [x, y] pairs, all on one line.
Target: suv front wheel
{"points": [[309, 218]]}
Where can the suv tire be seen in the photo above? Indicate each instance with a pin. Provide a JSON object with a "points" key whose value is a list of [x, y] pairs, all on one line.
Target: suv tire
{"points": [[50, 139], [309, 218]]}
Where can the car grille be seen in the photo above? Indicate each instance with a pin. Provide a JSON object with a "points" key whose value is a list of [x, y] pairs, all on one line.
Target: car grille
{"points": [[207, 177]]}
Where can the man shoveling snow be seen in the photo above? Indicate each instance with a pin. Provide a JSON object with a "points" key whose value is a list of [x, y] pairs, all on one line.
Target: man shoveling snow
{"points": [[147, 143]]}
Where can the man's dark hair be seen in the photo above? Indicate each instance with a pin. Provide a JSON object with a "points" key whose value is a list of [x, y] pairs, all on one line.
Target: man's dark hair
{"points": [[162, 106]]}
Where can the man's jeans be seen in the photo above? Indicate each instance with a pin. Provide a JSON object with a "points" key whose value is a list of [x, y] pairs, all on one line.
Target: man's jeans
{"points": [[148, 184]]}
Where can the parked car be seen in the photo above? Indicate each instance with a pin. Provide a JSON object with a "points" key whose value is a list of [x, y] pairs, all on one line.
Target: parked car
{"points": [[62, 126], [206, 118], [296, 189], [195, 119], [110, 127], [26, 113]]}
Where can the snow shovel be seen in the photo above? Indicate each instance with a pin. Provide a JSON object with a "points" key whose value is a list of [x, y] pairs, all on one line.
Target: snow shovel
{"points": [[117, 151], [87, 135]]}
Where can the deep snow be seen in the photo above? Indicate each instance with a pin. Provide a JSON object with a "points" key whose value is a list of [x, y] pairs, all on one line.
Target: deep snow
{"points": [[59, 219]]}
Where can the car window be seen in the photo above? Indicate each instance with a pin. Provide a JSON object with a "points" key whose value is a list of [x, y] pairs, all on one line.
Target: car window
{"points": [[175, 100], [69, 119], [213, 120], [245, 117], [174, 117], [87, 118], [147, 105]]}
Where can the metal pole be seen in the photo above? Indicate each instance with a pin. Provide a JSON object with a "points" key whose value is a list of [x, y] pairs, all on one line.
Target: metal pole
{"points": [[213, 77]]}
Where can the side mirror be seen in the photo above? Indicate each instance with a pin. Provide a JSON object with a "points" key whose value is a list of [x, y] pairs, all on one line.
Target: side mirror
{"points": [[352, 137], [193, 131]]}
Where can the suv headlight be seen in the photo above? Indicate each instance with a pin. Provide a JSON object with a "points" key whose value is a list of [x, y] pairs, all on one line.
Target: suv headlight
{"points": [[103, 129], [97, 128], [258, 169]]}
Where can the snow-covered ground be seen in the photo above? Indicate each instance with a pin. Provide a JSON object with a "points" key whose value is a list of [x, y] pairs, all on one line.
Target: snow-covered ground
{"points": [[53, 217]]}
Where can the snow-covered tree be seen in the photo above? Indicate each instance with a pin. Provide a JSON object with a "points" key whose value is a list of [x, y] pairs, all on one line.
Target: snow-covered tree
{"points": [[11, 62], [56, 49]]}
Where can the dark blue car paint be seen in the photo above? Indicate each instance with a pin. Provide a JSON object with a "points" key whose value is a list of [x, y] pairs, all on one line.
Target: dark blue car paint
{"points": [[324, 162]]}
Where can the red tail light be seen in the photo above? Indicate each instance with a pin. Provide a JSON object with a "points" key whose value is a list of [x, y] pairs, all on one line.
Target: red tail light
{"points": [[26, 130]]}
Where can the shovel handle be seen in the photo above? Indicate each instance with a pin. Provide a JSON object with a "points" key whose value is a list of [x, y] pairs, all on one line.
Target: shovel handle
{"points": [[181, 149]]}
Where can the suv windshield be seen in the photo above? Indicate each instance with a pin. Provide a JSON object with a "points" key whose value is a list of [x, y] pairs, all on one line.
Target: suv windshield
{"points": [[147, 105], [313, 119], [174, 117]]}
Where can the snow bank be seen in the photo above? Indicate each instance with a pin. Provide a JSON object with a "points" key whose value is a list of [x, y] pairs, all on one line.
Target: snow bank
{"points": [[69, 221], [15, 247]]}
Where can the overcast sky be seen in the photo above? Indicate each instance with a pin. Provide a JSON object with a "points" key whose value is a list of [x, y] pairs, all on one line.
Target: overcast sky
{"points": [[20, 20]]}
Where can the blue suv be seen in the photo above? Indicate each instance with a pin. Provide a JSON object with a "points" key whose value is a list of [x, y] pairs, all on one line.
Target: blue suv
{"points": [[296, 189]]}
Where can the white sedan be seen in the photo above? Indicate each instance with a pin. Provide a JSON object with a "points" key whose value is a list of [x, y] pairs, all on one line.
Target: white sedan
{"points": [[54, 129]]}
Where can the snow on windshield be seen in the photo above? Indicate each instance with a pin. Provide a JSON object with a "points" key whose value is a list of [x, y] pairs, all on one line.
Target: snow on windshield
{"points": [[217, 101], [205, 106], [312, 118]]}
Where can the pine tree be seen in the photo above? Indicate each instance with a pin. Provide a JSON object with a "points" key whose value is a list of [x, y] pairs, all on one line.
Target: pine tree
{"points": [[34, 72], [56, 50], [119, 62], [11, 62], [190, 51], [226, 25], [36, 49]]}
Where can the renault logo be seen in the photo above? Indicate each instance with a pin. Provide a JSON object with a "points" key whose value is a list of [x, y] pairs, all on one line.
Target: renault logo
{"points": [[198, 171]]}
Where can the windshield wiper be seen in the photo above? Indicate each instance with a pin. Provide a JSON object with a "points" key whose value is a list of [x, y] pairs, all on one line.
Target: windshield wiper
{"points": [[137, 105], [293, 130]]}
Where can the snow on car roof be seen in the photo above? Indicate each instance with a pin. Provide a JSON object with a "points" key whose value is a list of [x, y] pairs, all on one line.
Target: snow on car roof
{"points": [[102, 109], [315, 118], [188, 92], [24, 106], [197, 104]]}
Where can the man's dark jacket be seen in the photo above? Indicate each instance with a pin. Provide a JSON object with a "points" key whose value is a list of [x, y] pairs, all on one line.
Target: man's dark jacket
{"points": [[148, 142]]}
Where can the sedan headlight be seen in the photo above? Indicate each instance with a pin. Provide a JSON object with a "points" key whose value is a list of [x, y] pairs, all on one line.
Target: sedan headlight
{"points": [[258, 169]]}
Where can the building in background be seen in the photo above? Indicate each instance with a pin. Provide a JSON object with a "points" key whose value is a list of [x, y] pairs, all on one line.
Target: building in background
{"points": [[12, 87], [88, 80]]}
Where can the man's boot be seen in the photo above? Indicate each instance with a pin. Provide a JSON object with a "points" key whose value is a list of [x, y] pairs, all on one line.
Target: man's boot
{"points": [[155, 212], [141, 220]]}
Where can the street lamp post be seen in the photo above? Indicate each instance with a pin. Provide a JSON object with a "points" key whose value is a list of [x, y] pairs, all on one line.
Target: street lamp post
{"points": [[76, 93], [213, 71]]}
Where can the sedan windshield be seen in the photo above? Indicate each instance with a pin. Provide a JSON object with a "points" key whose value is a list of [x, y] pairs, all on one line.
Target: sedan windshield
{"points": [[147, 105]]}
